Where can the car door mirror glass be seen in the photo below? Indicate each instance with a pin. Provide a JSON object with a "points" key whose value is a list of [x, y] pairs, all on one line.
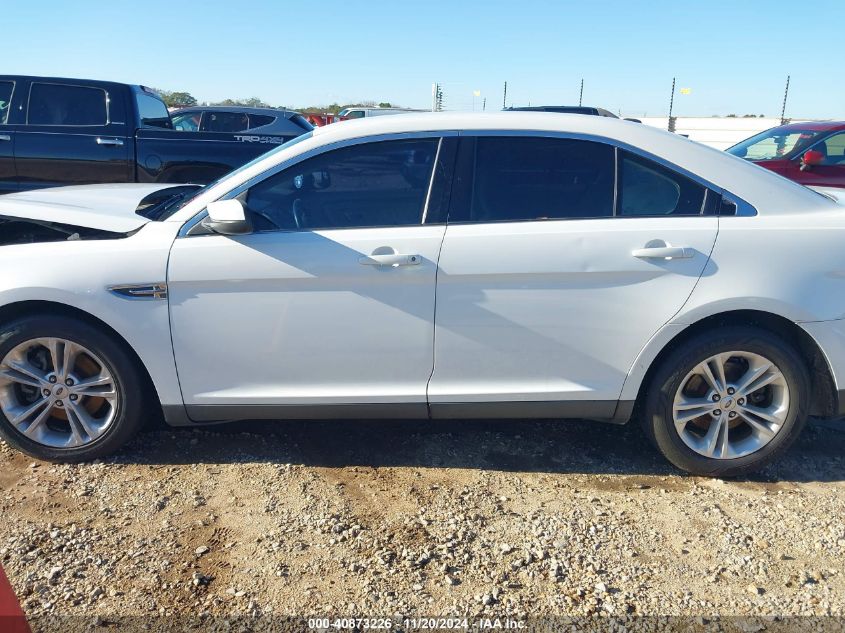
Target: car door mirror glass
{"points": [[227, 217]]}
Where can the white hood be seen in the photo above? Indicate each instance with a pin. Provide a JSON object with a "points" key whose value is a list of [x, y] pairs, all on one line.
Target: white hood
{"points": [[109, 207]]}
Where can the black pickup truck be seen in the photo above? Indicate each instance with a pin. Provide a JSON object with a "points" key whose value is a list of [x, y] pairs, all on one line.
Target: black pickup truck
{"points": [[56, 132]]}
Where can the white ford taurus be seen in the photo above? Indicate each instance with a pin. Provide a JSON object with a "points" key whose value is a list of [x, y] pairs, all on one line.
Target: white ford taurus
{"points": [[433, 266]]}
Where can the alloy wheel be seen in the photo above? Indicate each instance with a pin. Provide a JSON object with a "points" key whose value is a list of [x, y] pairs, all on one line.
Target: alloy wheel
{"points": [[730, 405], [57, 392]]}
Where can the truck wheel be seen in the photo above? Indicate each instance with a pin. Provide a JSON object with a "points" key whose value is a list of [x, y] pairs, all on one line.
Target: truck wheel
{"points": [[727, 402], [68, 392]]}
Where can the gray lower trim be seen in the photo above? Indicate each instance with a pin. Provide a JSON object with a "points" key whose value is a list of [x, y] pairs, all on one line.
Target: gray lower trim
{"points": [[229, 413], [624, 411], [602, 409], [175, 415]]}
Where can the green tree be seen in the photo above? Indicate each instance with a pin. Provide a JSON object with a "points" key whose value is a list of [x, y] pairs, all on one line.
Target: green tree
{"points": [[252, 102], [175, 99]]}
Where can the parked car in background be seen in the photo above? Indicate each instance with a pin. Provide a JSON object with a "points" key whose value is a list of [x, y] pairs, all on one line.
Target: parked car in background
{"points": [[581, 267], [810, 153], [362, 112], [265, 121], [319, 119], [57, 131]]}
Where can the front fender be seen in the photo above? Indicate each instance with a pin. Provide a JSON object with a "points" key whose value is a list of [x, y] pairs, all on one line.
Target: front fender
{"points": [[79, 274]]}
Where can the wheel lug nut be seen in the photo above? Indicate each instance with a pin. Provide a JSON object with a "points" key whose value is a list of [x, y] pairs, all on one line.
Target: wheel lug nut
{"points": [[53, 379], [715, 397], [59, 403], [732, 414], [731, 390], [73, 397], [740, 401], [69, 382], [717, 413], [46, 392]]}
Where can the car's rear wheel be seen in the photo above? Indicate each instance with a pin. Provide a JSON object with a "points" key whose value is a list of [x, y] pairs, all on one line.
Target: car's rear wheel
{"points": [[727, 402], [68, 392]]}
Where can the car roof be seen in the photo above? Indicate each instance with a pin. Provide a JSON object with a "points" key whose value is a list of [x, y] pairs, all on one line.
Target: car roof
{"points": [[761, 188], [815, 126]]}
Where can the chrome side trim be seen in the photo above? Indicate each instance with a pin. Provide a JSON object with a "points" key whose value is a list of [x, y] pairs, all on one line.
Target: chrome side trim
{"points": [[156, 290]]}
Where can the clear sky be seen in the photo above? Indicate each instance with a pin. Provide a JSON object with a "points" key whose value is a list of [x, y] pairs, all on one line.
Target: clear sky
{"points": [[733, 55]]}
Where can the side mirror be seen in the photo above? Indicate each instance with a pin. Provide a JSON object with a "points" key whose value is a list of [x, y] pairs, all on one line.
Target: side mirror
{"points": [[227, 217], [811, 157]]}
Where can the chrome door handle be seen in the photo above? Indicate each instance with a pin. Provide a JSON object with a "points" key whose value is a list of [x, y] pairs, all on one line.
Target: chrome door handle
{"points": [[663, 252], [112, 142], [390, 259], [5, 137]]}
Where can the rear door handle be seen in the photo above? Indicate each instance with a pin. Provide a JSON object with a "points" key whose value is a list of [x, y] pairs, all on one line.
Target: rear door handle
{"points": [[390, 259], [5, 137], [664, 252], [112, 142]]}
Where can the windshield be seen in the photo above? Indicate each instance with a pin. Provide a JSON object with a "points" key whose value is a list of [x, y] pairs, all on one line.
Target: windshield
{"points": [[180, 199], [774, 143]]}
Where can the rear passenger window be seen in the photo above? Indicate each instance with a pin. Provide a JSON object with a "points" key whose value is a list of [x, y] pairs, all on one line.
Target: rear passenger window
{"points": [[59, 104], [523, 178], [372, 184], [260, 120], [225, 122], [649, 189]]}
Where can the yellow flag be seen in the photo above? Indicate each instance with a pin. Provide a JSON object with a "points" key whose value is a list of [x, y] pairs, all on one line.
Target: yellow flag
{"points": [[686, 91], [476, 93]]}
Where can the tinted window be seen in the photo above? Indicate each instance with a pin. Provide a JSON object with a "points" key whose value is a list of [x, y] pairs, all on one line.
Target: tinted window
{"points": [[646, 188], [56, 104], [257, 120], [522, 179], [374, 184], [153, 112], [225, 122], [5, 99]]}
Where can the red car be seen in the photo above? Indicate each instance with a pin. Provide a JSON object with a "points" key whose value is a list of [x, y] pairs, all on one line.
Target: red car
{"points": [[809, 153]]}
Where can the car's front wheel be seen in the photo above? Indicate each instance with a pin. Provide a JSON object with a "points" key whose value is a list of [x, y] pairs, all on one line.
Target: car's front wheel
{"points": [[68, 392], [727, 402]]}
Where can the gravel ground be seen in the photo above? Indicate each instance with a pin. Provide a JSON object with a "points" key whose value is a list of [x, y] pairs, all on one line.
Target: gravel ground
{"points": [[464, 519]]}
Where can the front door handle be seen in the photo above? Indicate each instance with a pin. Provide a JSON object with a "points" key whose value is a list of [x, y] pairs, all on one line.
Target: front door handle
{"points": [[111, 142], [663, 251], [5, 137], [389, 257]]}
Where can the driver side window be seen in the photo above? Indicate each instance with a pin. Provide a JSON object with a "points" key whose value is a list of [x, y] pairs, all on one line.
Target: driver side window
{"points": [[833, 149], [367, 185]]}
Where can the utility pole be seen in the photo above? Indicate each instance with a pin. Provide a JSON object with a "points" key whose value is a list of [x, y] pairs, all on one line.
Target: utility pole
{"points": [[581, 96], [436, 97], [484, 104], [671, 104], [505, 96], [783, 109]]}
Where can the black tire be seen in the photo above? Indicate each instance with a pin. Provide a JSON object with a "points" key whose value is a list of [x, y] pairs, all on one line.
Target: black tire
{"points": [[657, 417], [129, 385]]}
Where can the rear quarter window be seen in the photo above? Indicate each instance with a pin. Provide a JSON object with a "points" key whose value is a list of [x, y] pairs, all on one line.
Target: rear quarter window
{"points": [[61, 104]]}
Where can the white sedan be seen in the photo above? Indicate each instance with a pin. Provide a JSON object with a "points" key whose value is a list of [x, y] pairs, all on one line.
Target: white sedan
{"points": [[512, 265]]}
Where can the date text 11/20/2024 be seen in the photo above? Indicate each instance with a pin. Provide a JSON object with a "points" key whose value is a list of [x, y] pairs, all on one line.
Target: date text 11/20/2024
{"points": [[415, 624]]}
